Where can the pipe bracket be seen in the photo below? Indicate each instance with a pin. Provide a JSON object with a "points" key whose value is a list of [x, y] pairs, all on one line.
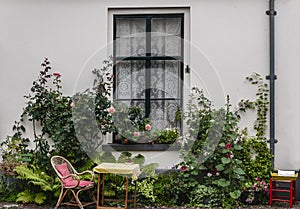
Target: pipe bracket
{"points": [[271, 12], [274, 141], [269, 77]]}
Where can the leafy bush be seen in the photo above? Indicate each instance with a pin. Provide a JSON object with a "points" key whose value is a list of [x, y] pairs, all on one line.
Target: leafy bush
{"points": [[40, 186], [206, 197]]}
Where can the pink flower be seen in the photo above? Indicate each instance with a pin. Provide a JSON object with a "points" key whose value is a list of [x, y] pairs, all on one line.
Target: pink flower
{"points": [[183, 168], [257, 179], [56, 74], [136, 133], [228, 146], [147, 127], [217, 174], [209, 174], [111, 110]]}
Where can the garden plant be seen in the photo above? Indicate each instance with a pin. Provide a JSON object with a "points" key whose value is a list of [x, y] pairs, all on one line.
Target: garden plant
{"points": [[222, 165]]}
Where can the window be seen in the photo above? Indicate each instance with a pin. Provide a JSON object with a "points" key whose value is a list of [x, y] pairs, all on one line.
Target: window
{"points": [[148, 51]]}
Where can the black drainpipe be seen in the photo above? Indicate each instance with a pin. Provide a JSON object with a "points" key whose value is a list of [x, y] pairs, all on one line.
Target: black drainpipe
{"points": [[272, 77]]}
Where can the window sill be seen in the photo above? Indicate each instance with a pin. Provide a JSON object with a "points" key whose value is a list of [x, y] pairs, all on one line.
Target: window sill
{"points": [[139, 147]]}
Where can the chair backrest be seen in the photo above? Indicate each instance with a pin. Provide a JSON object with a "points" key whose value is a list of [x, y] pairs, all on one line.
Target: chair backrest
{"points": [[62, 166]]}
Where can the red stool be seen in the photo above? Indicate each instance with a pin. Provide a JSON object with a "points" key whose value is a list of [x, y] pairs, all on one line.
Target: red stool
{"points": [[283, 191]]}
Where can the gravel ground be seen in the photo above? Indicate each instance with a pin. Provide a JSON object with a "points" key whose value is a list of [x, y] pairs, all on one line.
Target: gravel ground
{"points": [[4, 205]]}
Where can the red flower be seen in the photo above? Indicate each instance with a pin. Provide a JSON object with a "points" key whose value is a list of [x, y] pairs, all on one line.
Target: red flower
{"points": [[183, 168], [228, 146], [228, 155], [56, 74]]}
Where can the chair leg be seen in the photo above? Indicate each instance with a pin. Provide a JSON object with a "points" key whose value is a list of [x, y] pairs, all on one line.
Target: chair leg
{"points": [[77, 199], [61, 196]]}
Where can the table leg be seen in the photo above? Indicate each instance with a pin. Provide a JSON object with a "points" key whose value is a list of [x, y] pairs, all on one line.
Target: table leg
{"points": [[126, 195], [134, 196], [98, 190], [103, 176]]}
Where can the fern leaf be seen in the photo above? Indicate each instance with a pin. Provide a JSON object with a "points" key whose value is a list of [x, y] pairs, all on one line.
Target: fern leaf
{"points": [[25, 197], [40, 198], [34, 176]]}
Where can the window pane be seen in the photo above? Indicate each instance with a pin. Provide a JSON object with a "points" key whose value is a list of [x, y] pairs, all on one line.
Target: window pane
{"points": [[166, 36], [165, 79], [130, 37], [163, 114], [130, 80]]}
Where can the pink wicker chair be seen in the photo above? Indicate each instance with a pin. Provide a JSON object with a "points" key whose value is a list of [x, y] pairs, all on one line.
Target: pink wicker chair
{"points": [[71, 183]]}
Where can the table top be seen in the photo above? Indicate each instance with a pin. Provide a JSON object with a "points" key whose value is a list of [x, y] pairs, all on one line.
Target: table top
{"points": [[276, 177], [119, 168]]}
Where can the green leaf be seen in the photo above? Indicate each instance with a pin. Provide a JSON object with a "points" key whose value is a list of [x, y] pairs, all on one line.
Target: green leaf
{"points": [[220, 167], [239, 171], [236, 194], [223, 182], [40, 198], [225, 160], [238, 162], [222, 144], [25, 197], [238, 147]]}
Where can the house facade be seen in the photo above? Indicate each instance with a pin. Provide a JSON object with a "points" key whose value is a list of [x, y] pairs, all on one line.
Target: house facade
{"points": [[167, 46]]}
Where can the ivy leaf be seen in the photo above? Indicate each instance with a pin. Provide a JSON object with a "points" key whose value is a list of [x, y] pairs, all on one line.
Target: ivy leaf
{"points": [[236, 194], [239, 171], [225, 160], [220, 167]]}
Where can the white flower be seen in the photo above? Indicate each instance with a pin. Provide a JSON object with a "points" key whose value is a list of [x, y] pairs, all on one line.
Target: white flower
{"points": [[72, 105]]}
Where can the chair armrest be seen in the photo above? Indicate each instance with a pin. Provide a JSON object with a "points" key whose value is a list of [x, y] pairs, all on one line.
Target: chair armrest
{"points": [[89, 172], [73, 176]]}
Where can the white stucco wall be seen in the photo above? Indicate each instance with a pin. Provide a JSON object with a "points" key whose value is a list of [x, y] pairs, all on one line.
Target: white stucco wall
{"points": [[229, 41]]}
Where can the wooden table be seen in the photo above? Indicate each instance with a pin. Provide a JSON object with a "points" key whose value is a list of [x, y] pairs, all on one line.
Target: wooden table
{"points": [[128, 169]]}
